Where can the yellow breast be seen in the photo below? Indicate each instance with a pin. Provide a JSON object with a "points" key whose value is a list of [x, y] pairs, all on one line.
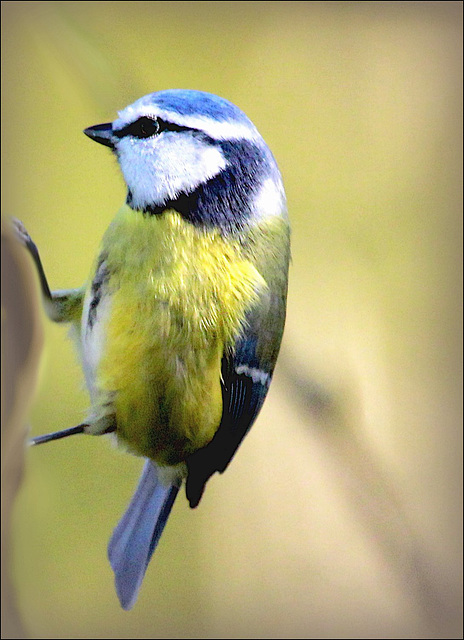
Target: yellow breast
{"points": [[179, 296]]}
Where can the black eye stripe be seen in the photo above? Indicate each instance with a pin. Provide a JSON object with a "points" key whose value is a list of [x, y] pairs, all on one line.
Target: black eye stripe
{"points": [[171, 126], [141, 128], [146, 127]]}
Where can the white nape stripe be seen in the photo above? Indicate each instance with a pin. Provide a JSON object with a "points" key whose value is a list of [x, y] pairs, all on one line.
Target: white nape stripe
{"points": [[217, 129], [270, 200], [257, 375]]}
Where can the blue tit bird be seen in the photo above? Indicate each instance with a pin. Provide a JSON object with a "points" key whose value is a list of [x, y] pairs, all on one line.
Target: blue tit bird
{"points": [[180, 324]]}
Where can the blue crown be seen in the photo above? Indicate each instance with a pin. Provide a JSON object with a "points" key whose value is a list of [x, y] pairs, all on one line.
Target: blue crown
{"points": [[188, 102]]}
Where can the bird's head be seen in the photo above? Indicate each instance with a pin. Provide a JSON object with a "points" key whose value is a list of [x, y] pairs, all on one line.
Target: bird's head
{"points": [[195, 152]]}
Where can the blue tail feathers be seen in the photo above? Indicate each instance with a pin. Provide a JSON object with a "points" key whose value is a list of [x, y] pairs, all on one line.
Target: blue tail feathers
{"points": [[138, 532]]}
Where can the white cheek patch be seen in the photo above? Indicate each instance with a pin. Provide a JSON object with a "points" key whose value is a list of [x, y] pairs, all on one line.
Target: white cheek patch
{"points": [[160, 168], [270, 200]]}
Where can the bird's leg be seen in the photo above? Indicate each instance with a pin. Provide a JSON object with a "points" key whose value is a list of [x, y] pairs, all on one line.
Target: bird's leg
{"points": [[60, 306], [64, 433], [57, 435]]}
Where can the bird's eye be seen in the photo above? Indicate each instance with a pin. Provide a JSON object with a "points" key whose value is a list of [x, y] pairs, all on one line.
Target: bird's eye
{"points": [[146, 127], [143, 128]]}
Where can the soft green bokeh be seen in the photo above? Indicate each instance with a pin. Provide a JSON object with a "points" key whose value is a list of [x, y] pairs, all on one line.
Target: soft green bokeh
{"points": [[342, 521]]}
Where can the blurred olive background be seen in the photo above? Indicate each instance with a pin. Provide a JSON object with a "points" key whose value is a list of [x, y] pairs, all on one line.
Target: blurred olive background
{"points": [[341, 514]]}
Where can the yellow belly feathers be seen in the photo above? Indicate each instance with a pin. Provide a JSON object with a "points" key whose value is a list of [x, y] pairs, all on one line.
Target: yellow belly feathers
{"points": [[179, 295]]}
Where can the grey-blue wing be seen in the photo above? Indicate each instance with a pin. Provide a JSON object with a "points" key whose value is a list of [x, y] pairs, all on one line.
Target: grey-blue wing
{"points": [[245, 382], [245, 377]]}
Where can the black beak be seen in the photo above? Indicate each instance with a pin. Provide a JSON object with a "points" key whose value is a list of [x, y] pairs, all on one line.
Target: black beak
{"points": [[102, 133]]}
